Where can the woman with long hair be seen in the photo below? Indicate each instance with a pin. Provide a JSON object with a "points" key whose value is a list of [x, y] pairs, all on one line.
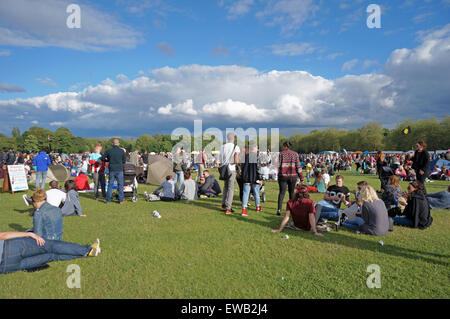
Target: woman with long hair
{"points": [[303, 213], [393, 193], [319, 183], [288, 172], [417, 211], [373, 213]]}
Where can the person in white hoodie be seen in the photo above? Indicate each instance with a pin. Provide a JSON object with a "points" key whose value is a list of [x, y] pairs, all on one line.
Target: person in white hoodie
{"points": [[169, 192]]}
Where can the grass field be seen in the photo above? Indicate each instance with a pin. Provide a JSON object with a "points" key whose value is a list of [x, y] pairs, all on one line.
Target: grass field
{"points": [[195, 251]]}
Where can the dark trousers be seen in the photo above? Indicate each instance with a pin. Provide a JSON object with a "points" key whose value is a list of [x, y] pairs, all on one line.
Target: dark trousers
{"points": [[99, 178], [286, 183], [421, 178]]}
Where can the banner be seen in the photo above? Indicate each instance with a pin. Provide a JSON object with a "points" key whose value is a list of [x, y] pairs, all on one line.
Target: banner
{"points": [[17, 178]]}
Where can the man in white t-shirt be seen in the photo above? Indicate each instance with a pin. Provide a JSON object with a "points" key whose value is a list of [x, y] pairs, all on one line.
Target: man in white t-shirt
{"points": [[55, 196], [229, 154]]}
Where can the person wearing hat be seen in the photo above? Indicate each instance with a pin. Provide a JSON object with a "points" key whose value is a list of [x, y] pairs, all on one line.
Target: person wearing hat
{"points": [[303, 213]]}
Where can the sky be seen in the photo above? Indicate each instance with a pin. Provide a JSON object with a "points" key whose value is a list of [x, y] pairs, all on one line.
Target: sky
{"points": [[150, 66]]}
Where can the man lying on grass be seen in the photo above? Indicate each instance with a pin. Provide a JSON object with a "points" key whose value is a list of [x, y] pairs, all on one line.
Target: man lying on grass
{"points": [[28, 251], [303, 213]]}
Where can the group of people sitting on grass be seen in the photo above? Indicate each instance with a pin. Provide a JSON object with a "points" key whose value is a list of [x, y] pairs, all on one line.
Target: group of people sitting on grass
{"points": [[33, 249], [370, 213], [168, 191]]}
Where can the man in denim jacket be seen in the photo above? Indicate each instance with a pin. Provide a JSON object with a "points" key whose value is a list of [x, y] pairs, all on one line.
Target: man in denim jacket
{"points": [[47, 219]]}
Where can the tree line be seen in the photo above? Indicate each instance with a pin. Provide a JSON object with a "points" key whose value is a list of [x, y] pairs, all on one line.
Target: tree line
{"points": [[371, 137]]}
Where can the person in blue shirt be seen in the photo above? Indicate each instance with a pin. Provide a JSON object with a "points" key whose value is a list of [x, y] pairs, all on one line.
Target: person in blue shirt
{"points": [[42, 162]]}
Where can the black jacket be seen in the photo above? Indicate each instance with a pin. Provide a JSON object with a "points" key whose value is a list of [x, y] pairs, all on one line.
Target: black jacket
{"points": [[418, 210], [116, 158], [10, 158], [250, 169], [421, 160]]}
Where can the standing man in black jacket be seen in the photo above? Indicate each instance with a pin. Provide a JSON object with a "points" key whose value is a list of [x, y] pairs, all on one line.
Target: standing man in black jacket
{"points": [[116, 158]]}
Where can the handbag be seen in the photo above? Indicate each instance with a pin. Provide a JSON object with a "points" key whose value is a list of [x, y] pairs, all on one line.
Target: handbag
{"points": [[224, 170]]}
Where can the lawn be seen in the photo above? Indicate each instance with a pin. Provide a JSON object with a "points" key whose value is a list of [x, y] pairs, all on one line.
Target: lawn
{"points": [[195, 251]]}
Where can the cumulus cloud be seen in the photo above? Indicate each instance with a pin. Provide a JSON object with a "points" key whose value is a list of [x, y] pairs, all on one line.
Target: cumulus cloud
{"points": [[42, 23], [186, 108], [415, 83]]}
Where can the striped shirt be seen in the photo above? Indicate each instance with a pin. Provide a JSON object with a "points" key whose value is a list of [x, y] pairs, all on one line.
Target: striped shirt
{"points": [[290, 165]]}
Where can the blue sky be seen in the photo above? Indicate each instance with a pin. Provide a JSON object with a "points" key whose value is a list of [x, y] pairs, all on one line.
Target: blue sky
{"points": [[150, 66]]}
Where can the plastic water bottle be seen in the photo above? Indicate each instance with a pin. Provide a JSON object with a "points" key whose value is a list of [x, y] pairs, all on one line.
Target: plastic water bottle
{"points": [[156, 214]]}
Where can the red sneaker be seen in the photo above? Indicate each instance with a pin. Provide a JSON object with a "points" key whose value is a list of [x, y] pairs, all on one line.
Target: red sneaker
{"points": [[244, 212], [258, 209], [227, 212]]}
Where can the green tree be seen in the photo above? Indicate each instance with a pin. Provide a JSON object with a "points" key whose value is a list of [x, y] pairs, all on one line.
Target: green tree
{"points": [[31, 144]]}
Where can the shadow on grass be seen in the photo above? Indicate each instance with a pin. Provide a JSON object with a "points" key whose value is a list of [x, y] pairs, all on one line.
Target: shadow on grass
{"points": [[18, 227], [341, 239], [23, 211]]}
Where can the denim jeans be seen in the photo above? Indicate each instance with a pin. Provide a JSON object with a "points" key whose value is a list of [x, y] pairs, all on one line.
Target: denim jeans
{"points": [[179, 176], [24, 253], [119, 177], [330, 213], [41, 176], [403, 221], [354, 223], [246, 194]]}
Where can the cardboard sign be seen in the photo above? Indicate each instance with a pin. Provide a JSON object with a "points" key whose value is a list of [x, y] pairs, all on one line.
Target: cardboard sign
{"points": [[17, 178]]}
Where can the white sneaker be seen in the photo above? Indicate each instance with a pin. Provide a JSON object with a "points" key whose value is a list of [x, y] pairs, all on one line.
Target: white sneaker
{"points": [[27, 200]]}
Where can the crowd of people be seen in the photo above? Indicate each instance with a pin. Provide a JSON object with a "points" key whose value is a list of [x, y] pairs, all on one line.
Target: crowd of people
{"points": [[370, 212]]}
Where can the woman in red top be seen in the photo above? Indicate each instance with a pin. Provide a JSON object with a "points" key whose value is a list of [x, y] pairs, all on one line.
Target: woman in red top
{"points": [[303, 213]]}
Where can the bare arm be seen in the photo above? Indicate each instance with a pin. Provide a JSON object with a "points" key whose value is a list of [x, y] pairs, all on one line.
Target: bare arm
{"points": [[312, 222], [283, 223], [11, 235]]}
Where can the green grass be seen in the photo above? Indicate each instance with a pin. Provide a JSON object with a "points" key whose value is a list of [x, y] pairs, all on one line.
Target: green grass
{"points": [[195, 251]]}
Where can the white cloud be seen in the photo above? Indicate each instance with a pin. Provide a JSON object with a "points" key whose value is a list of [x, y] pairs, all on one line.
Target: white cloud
{"points": [[122, 78], [293, 49], [42, 23], [350, 65], [415, 82], [46, 81], [56, 123], [289, 14], [186, 108]]}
